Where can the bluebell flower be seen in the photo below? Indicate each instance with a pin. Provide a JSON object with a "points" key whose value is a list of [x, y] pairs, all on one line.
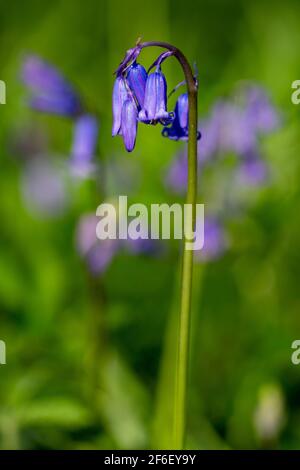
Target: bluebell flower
{"points": [[129, 122], [179, 128], [137, 78], [120, 93], [148, 91], [50, 92], [85, 136], [155, 102], [125, 113]]}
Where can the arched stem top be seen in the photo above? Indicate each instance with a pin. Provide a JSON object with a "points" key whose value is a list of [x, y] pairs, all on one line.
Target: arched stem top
{"points": [[188, 73]]}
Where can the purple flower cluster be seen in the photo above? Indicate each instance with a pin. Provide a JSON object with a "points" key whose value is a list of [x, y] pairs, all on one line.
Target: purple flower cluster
{"points": [[51, 93], [231, 128], [141, 96]]}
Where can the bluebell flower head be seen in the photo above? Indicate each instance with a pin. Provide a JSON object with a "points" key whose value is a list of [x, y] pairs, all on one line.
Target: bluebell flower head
{"points": [[179, 128], [129, 122], [136, 79], [155, 102], [85, 136], [120, 93], [50, 92]]}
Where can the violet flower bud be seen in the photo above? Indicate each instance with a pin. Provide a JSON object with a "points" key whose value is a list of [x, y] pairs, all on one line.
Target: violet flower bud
{"points": [[155, 102], [136, 79]]}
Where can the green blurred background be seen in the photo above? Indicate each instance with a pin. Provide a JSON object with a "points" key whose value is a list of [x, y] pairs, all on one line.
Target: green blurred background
{"points": [[90, 361]]}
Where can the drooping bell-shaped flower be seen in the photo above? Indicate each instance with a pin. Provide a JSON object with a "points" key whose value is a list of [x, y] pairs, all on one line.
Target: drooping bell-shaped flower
{"points": [[119, 97], [182, 110], [179, 128], [50, 92], [155, 102], [136, 79], [85, 137], [129, 122]]}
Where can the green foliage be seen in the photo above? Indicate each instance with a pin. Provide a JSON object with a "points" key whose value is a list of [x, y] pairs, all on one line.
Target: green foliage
{"points": [[66, 385]]}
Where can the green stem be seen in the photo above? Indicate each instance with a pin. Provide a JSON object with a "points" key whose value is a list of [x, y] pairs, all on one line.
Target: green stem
{"points": [[187, 262], [186, 286]]}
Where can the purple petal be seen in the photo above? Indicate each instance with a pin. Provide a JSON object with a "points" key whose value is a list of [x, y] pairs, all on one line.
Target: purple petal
{"points": [[119, 96], [129, 123], [155, 103], [137, 78], [183, 110]]}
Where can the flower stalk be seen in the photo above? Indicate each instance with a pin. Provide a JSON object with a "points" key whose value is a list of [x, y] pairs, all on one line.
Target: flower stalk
{"points": [[153, 111], [187, 261]]}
